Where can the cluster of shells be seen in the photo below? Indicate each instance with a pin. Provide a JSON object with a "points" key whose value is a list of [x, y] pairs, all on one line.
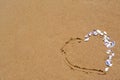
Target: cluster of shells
{"points": [[107, 42]]}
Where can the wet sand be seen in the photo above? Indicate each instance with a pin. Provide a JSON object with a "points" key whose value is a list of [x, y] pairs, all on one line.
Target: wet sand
{"points": [[32, 32]]}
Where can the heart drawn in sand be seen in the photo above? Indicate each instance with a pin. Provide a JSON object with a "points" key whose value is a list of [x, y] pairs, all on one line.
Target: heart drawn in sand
{"points": [[107, 42]]}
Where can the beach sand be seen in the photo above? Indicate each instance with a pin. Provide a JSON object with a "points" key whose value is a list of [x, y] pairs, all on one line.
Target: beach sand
{"points": [[32, 33]]}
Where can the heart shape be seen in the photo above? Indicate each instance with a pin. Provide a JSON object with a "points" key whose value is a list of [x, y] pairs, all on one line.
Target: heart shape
{"points": [[107, 43]]}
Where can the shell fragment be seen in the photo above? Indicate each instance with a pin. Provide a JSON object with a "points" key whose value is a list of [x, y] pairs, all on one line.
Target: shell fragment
{"points": [[106, 69], [108, 51], [113, 54], [90, 33], [95, 33], [86, 39], [110, 57], [98, 31], [105, 33]]}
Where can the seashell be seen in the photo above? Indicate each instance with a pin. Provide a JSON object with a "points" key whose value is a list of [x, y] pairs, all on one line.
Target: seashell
{"points": [[105, 33], [98, 31], [106, 37], [112, 44], [86, 39], [110, 57], [101, 34], [106, 41], [113, 54], [108, 62], [108, 45], [90, 33], [106, 69], [87, 36], [108, 51], [95, 33], [110, 65]]}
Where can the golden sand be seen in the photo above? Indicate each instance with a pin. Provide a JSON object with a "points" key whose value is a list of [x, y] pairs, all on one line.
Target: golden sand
{"points": [[32, 32]]}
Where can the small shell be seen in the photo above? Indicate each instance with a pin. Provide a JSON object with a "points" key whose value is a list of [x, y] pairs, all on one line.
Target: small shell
{"points": [[110, 65], [112, 44], [101, 34], [108, 51], [98, 31], [86, 39], [106, 69], [108, 45], [87, 36], [108, 62], [110, 57], [113, 54], [105, 33], [90, 33], [95, 33], [106, 37], [106, 41]]}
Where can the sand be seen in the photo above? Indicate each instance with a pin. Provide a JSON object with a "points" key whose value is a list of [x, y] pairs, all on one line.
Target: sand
{"points": [[32, 32]]}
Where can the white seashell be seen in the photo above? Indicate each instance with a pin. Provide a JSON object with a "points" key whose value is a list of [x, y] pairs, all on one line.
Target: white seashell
{"points": [[110, 57], [113, 54], [95, 33], [86, 39], [106, 41], [108, 51], [87, 36], [105, 33], [112, 44], [108, 45], [108, 63], [101, 34], [106, 69], [106, 37], [90, 33], [98, 31]]}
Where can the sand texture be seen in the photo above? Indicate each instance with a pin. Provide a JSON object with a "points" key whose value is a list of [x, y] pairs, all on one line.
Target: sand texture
{"points": [[33, 32]]}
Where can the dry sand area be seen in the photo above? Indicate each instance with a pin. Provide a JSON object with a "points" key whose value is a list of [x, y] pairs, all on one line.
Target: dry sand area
{"points": [[32, 32]]}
